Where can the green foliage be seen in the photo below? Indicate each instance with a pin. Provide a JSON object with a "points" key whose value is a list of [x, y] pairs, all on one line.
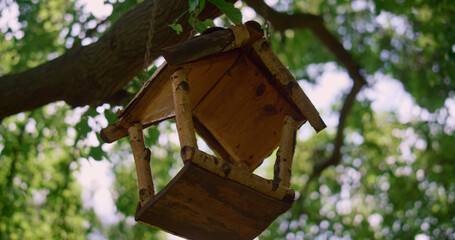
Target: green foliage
{"points": [[126, 203], [40, 197], [375, 182], [164, 166], [192, 5], [196, 6], [412, 41], [177, 27], [297, 49], [228, 8]]}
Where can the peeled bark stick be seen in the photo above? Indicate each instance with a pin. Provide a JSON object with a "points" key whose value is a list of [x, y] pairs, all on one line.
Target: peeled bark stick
{"points": [[285, 154], [183, 114], [142, 161], [243, 165], [289, 86], [227, 171]]}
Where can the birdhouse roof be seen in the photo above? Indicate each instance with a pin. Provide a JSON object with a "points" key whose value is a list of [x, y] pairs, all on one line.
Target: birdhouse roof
{"points": [[235, 69]]}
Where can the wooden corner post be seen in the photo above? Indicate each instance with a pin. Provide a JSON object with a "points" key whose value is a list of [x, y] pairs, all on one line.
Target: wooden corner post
{"points": [[285, 153], [183, 114], [142, 161]]}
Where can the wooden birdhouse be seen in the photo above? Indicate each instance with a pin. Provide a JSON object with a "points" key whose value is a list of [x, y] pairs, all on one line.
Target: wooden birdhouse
{"points": [[229, 87]]}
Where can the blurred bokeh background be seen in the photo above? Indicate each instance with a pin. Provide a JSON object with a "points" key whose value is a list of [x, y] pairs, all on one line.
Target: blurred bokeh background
{"points": [[383, 169]]}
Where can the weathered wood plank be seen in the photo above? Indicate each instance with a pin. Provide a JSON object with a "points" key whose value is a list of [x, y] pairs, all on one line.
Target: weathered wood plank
{"points": [[205, 73], [154, 103], [198, 204], [244, 112], [211, 141]]}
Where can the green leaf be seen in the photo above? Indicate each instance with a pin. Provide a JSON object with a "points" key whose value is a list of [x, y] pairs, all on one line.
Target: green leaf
{"points": [[191, 20], [82, 126], [153, 134], [82, 129], [110, 116], [201, 5], [91, 112], [177, 27], [203, 25], [227, 8], [193, 4], [96, 153]]}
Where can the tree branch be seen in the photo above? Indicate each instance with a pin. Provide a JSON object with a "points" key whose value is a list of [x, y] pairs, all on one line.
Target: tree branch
{"points": [[91, 32], [338, 142], [282, 21], [93, 74]]}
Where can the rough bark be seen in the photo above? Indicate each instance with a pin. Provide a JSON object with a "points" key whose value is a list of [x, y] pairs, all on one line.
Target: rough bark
{"points": [[96, 73]]}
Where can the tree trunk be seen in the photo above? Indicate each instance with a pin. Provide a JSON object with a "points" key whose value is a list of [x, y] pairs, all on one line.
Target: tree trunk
{"points": [[96, 73]]}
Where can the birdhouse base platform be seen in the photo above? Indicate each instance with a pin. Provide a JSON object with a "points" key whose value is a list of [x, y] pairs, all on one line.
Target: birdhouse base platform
{"points": [[212, 199]]}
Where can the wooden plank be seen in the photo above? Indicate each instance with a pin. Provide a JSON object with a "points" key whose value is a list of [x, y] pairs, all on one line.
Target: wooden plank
{"points": [[205, 73], [162, 74], [263, 52], [142, 161], [154, 102], [198, 204], [244, 113], [211, 141], [285, 153]]}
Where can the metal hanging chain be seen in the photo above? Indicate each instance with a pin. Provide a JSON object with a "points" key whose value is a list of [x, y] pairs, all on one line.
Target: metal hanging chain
{"points": [[148, 45]]}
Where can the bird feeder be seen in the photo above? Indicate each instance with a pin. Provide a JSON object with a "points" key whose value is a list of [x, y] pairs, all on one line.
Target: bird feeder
{"points": [[229, 87]]}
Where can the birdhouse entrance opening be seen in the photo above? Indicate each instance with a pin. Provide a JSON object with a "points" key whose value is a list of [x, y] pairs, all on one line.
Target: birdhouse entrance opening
{"points": [[244, 103]]}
